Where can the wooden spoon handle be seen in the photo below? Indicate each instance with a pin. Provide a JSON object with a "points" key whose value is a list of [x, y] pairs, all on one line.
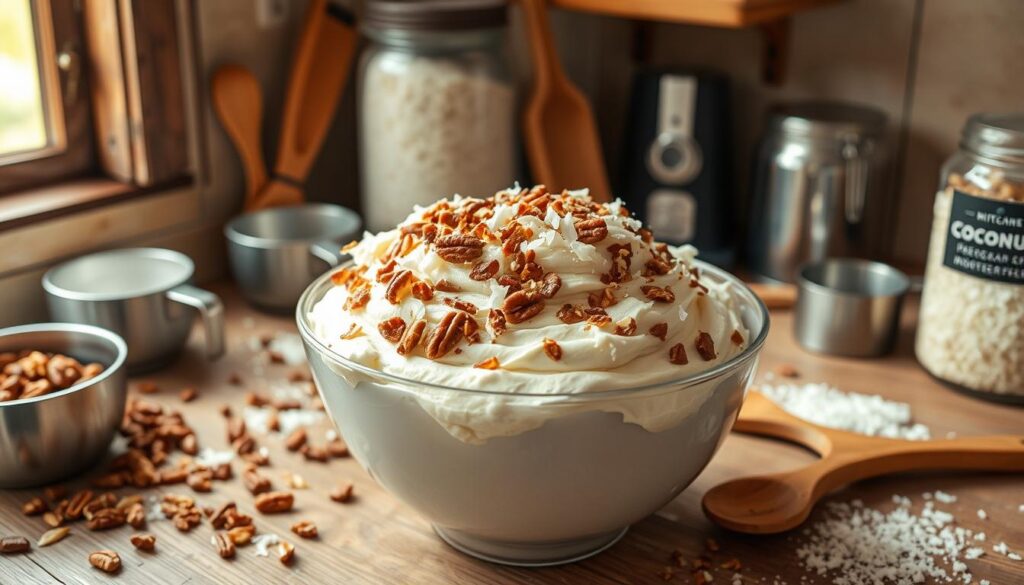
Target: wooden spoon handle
{"points": [[547, 69], [238, 101]]}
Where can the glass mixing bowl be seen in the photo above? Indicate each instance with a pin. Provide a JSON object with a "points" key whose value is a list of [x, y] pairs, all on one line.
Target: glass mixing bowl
{"points": [[567, 488]]}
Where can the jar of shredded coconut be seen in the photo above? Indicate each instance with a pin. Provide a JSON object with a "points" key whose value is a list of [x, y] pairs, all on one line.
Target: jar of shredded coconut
{"points": [[971, 327], [436, 105]]}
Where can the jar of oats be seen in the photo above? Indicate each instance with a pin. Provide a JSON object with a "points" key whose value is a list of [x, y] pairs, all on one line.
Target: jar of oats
{"points": [[971, 327]]}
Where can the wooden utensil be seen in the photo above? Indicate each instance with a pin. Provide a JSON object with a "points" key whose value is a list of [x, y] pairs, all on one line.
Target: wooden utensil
{"points": [[778, 502], [560, 135], [775, 296], [320, 68], [238, 101]]}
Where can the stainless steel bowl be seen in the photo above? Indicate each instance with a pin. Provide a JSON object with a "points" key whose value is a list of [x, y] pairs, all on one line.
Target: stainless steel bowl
{"points": [[276, 253], [54, 436]]}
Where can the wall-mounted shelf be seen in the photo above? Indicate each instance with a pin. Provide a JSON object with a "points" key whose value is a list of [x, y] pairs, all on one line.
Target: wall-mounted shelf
{"points": [[721, 13]]}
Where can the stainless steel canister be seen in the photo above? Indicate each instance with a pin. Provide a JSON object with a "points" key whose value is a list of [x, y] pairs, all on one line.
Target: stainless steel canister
{"points": [[816, 187]]}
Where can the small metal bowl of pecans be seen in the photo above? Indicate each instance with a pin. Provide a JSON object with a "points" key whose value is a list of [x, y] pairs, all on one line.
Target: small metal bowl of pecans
{"points": [[62, 396]]}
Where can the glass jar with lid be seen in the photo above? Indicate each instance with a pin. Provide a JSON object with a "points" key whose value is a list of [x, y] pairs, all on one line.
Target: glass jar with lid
{"points": [[971, 324], [436, 105]]}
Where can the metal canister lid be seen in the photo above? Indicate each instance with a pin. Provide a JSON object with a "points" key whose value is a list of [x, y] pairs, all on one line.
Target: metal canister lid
{"points": [[826, 120], [435, 14], [995, 136]]}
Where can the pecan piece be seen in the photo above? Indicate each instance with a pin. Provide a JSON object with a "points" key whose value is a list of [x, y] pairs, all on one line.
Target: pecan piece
{"points": [[305, 529], [484, 271], [392, 329], [255, 482], [447, 334], [242, 535], [107, 561], [14, 544], [570, 314], [626, 328], [736, 337], [591, 231], [677, 355], [285, 552], [552, 348], [146, 542], [445, 285], [549, 287], [396, 287], [34, 507], [342, 492], [53, 536], [422, 291], [354, 331], [603, 298], [705, 346], [358, 298], [659, 330], [461, 305], [496, 319], [521, 306], [274, 502], [510, 281], [459, 249], [658, 294], [106, 519], [490, 363], [224, 545], [412, 337], [622, 257]]}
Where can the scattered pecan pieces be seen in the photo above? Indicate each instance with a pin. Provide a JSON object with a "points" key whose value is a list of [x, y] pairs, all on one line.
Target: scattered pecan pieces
{"points": [[422, 291], [626, 327], [622, 257], [392, 329], [255, 482], [521, 306], [224, 545], [677, 355], [552, 348], [705, 346], [490, 363], [34, 507], [448, 333], [736, 337], [358, 298], [342, 492], [483, 271], [10, 545], [285, 552], [274, 502], [659, 330], [591, 231], [107, 561], [603, 298], [397, 286], [658, 294], [305, 529], [142, 541], [496, 319], [461, 305], [445, 285], [570, 314], [458, 249], [550, 285], [412, 337]]}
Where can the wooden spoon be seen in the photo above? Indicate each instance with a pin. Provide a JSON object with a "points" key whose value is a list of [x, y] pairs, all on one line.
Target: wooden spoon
{"points": [[320, 68], [238, 101], [774, 503], [562, 143]]}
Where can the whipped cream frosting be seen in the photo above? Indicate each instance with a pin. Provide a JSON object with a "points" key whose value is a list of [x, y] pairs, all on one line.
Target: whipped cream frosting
{"points": [[618, 310]]}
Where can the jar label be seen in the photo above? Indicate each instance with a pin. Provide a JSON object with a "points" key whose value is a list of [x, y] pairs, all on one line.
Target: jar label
{"points": [[985, 238]]}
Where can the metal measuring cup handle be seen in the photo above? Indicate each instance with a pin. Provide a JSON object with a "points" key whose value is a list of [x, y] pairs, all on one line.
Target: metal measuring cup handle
{"points": [[329, 251], [210, 308]]}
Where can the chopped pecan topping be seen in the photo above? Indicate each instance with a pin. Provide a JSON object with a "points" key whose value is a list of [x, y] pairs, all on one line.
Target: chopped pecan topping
{"points": [[659, 330], [677, 355], [591, 231], [521, 306], [358, 298], [622, 257], [392, 329], [597, 317], [422, 291], [736, 337], [512, 237], [705, 346], [448, 333], [552, 348], [496, 319], [603, 298], [354, 331], [550, 286], [511, 281], [461, 305], [384, 273], [490, 363], [570, 314], [444, 285], [484, 271], [658, 294], [396, 287], [657, 267], [627, 327], [412, 337], [459, 249]]}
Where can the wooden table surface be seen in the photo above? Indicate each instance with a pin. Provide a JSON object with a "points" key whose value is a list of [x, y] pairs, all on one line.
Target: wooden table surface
{"points": [[376, 539]]}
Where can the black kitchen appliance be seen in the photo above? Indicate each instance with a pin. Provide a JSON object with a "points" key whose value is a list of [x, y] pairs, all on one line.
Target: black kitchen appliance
{"points": [[677, 176]]}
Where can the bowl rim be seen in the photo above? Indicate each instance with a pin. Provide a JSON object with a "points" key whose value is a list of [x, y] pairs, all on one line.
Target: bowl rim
{"points": [[750, 352], [107, 373], [234, 235]]}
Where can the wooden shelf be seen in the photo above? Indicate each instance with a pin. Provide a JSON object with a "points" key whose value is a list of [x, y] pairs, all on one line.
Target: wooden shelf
{"points": [[721, 13]]}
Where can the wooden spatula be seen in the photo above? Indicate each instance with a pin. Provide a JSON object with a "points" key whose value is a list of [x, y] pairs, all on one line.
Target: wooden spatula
{"points": [[238, 101], [768, 504], [561, 139], [320, 68]]}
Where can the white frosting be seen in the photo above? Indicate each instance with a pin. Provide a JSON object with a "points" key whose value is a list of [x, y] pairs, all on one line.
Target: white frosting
{"points": [[593, 358]]}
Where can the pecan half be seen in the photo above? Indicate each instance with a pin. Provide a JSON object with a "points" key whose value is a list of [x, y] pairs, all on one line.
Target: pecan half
{"points": [[397, 285], [107, 561], [484, 271], [274, 502], [224, 545], [496, 319], [550, 286], [412, 337], [459, 249], [447, 334], [659, 330], [392, 329], [552, 348], [626, 328], [677, 355], [521, 306], [658, 294], [705, 346], [511, 281], [490, 363], [591, 231], [255, 482]]}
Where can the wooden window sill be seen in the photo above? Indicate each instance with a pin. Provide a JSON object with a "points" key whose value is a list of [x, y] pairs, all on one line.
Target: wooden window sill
{"points": [[26, 207]]}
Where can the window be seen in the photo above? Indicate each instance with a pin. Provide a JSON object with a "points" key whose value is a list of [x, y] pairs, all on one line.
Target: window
{"points": [[23, 122]]}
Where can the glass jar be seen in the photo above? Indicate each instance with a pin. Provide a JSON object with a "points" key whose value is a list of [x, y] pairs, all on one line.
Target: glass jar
{"points": [[971, 326], [436, 105]]}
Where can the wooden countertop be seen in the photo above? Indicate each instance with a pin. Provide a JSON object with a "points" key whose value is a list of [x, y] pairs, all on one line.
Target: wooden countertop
{"points": [[376, 539]]}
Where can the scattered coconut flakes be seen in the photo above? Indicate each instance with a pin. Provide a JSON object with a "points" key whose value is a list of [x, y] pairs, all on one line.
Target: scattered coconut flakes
{"points": [[857, 545], [154, 512], [943, 497], [974, 553], [831, 407], [980, 537], [982, 514], [263, 542], [212, 458], [289, 345], [1013, 556], [293, 419]]}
